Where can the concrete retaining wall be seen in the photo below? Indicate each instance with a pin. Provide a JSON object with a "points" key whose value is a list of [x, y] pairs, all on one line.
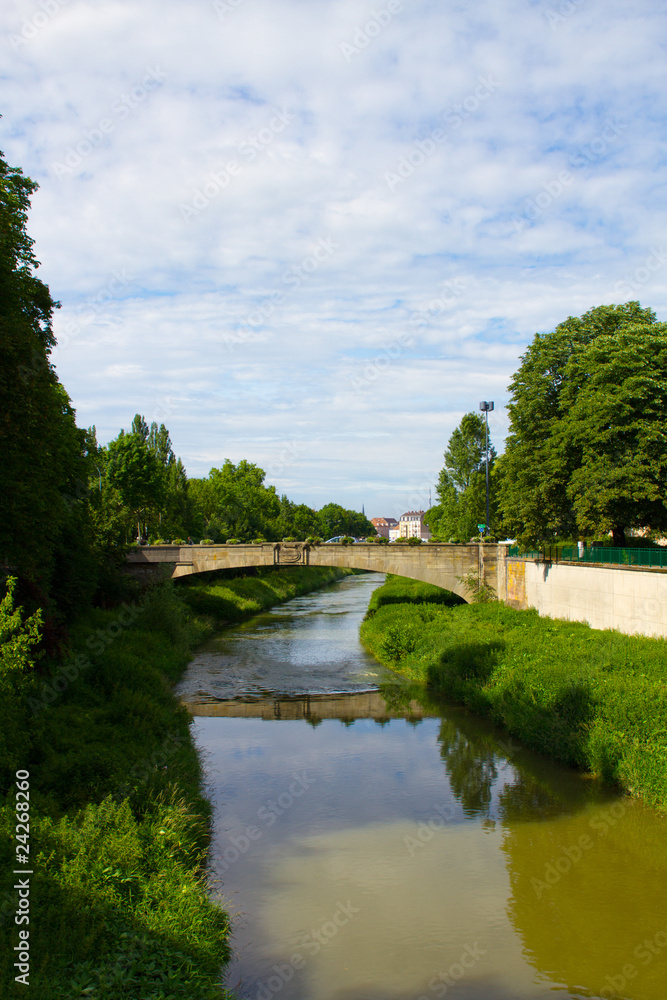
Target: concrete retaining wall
{"points": [[632, 600]]}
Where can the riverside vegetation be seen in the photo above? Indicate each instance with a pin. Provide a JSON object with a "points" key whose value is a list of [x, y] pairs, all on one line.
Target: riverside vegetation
{"points": [[595, 700], [120, 903]]}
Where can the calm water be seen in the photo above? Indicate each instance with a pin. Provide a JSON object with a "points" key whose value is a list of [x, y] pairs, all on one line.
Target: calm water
{"points": [[373, 846]]}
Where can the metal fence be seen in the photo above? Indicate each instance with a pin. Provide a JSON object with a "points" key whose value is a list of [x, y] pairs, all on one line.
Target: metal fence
{"points": [[595, 554]]}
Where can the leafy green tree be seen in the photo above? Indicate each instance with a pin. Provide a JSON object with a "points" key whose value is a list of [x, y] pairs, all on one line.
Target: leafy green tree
{"points": [[176, 513], [305, 521], [336, 520], [19, 635], [234, 502], [44, 474], [461, 487], [613, 404], [584, 450], [111, 519], [137, 475]]}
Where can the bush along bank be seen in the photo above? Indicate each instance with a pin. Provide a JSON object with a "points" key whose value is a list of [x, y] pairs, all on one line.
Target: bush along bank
{"points": [[596, 700], [117, 896]]}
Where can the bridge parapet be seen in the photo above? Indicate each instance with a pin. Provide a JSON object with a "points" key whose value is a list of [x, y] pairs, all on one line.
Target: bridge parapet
{"points": [[447, 566], [630, 599]]}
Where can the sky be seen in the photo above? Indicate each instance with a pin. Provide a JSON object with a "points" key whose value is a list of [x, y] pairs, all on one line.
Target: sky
{"points": [[313, 234]]}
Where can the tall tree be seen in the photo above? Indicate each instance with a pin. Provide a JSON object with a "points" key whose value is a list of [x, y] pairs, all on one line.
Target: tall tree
{"points": [[461, 487], [575, 416], [44, 474], [137, 475], [613, 406]]}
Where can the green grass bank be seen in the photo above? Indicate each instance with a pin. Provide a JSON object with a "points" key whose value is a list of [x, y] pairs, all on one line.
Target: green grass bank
{"points": [[595, 700], [119, 902]]}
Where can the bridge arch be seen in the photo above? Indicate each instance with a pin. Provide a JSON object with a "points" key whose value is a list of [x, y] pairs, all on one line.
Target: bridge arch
{"points": [[446, 566]]}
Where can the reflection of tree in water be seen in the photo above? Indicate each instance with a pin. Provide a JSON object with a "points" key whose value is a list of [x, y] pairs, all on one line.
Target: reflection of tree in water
{"points": [[528, 798], [533, 788], [587, 869], [471, 767]]}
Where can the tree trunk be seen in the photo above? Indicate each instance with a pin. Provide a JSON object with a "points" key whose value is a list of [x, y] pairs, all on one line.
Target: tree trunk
{"points": [[618, 536]]}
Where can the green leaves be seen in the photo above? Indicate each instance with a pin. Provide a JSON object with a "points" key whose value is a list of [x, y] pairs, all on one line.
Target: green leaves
{"points": [[17, 637], [587, 450], [461, 486], [135, 471]]}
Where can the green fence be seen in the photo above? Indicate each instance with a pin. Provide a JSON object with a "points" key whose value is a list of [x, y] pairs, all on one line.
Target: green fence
{"points": [[621, 557], [596, 554]]}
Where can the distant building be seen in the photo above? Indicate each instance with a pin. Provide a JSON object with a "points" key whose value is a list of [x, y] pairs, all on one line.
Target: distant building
{"points": [[411, 525], [383, 525]]}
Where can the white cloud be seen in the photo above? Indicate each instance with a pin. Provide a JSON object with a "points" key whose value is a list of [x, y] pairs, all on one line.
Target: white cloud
{"points": [[224, 323]]}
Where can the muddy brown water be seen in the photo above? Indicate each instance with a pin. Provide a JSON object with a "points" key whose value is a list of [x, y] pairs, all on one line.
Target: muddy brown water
{"points": [[373, 844]]}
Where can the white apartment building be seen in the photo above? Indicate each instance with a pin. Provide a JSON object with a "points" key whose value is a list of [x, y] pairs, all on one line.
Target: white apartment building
{"points": [[411, 525]]}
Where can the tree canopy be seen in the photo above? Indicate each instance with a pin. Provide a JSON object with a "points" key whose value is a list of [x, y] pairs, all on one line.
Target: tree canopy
{"points": [[42, 452], [461, 487], [587, 451]]}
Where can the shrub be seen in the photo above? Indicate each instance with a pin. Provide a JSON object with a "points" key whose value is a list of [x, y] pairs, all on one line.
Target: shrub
{"points": [[399, 640], [258, 541], [313, 540], [347, 540], [414, 541], [159, 541], [207, 541], [178, 541], [290, 538], [233, 541]]}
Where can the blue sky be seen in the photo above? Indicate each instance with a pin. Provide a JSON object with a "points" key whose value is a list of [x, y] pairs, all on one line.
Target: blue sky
{"points": [[315, 233]]}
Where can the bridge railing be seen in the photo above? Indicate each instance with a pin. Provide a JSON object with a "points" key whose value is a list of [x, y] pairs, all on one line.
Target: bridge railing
{"points": [[595, 554]]}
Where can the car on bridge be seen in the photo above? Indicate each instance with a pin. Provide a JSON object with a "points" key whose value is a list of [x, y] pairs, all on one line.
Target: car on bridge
{"points": [[340, 538]]}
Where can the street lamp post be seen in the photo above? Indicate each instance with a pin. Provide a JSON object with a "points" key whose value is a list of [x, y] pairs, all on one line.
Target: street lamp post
{"points": [[485, 407]]}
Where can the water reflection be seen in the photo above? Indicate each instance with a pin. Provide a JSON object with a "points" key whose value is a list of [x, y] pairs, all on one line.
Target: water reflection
{"points": [[587, 868], [425, 854]]}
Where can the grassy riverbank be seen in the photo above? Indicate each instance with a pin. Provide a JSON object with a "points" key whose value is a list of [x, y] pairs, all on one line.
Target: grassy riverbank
{"points": [[119, 830], [596, 700]]}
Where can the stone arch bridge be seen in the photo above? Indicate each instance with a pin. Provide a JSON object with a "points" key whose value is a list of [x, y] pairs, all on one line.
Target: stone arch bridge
{"points": [[632, 599], [448, 566]]}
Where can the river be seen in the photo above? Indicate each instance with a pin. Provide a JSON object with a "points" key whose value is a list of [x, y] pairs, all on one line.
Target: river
{"points": [[375, 845]]}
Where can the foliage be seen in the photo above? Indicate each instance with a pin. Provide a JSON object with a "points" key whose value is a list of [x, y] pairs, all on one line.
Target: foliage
{"points": [[119, 825], [479, 591], [403, 590], [42, 452], [461, 487], [143, 924], [17, 636], [592, 699], [135, 472], [587, 451], [234, 502], [336, 520]]}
